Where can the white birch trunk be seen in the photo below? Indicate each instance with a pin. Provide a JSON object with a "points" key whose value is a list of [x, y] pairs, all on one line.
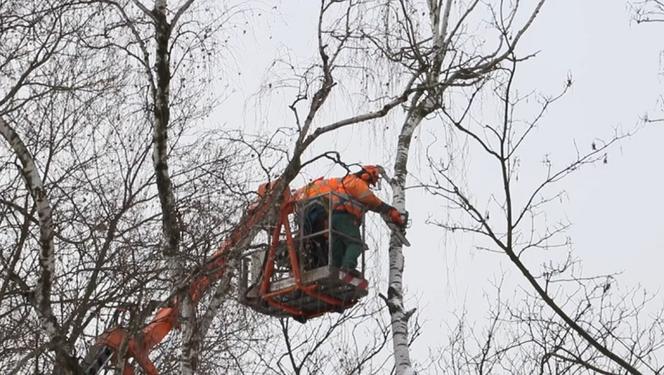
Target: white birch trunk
{"points": [[219, 295], [399, 316], [189, 356], [41, 299], [170, 224], [161, 112]]}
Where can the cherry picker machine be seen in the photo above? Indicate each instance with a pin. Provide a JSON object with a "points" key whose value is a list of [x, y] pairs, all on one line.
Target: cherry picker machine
{"points": [[282, 279]]}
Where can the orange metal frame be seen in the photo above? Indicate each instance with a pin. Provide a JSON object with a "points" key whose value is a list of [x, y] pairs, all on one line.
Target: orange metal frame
{"points": [[283, 224]]}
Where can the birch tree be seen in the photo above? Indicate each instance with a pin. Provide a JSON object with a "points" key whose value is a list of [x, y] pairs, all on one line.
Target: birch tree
{"points": [[159, 81], [142, 197], [81, 154], [36, 38], [429, 40], [41, 297]]}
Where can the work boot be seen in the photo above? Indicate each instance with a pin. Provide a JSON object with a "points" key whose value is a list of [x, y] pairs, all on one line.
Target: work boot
{"points": [[351, 271]]}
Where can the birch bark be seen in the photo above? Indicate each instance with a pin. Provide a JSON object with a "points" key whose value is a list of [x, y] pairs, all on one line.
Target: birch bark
{"points": [[398, 314], [395, 296], [41, 298], [172, 233], [436, 79], [161, 112]]}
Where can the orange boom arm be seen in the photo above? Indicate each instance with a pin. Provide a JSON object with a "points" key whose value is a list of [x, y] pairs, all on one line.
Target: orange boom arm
{"points": [[141, 344]]}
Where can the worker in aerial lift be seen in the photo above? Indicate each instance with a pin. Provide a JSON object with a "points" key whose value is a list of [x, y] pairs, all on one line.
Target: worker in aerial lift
{"points": [[347, 213]]}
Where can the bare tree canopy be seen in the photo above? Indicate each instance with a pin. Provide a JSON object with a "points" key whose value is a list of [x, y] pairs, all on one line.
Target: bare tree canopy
{"points": [[151, 148]]}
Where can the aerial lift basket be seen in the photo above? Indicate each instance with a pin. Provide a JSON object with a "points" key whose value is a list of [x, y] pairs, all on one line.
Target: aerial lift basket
{"points": [[292, 274]]}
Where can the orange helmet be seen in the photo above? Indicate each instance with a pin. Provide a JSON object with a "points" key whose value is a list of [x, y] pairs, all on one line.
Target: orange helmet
{"points": [[371, 173]]}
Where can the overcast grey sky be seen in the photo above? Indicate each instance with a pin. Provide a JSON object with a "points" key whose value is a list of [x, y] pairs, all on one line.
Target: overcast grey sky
{"points": [[616, 209]]}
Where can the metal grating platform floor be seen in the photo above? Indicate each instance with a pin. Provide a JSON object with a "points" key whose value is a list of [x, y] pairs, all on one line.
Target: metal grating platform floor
{"points": [[329, 280]]}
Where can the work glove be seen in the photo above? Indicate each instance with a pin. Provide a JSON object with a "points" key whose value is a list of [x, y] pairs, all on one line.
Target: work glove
{"points": [[396, 217]]}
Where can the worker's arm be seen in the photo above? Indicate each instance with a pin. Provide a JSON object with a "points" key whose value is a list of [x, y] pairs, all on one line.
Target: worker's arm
{"points": [[359, 190]]}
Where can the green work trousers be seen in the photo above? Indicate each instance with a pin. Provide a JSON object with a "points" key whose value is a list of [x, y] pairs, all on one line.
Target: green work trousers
{"points": [[347, 244]]}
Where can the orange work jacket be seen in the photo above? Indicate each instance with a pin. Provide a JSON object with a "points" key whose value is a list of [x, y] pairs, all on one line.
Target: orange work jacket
{"points": [[349, 190]]}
